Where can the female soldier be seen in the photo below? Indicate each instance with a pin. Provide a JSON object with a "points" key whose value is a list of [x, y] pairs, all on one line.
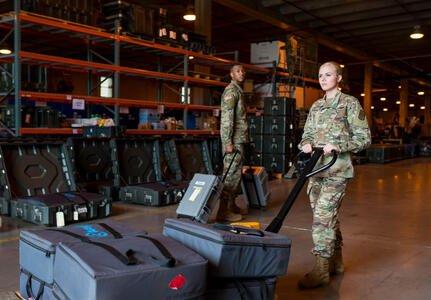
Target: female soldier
{"points": [[335, 122]]}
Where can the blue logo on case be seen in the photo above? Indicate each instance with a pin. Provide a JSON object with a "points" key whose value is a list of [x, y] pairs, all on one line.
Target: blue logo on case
{"points": [[90, 231]]}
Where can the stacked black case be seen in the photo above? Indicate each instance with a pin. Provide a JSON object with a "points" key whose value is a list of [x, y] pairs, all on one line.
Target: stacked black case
{"points": [[278, 142]]}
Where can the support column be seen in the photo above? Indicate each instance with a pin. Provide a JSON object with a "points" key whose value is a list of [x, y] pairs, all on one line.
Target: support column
{"points": [[368, 98], [17, 67], [427, 116], [404, 106], [117, 74], [203, 10]]}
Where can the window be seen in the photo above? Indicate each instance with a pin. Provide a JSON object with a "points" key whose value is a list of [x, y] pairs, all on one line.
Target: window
{"points": [[106, 86]]}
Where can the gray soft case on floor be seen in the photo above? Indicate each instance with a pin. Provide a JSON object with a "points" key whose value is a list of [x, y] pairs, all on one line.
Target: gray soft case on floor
{"points": [[131, 268], [201, 200], [243, 289], [37, 248], [241, 254]]}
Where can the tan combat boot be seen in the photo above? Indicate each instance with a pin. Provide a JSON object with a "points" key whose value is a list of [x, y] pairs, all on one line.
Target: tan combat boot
{"points": [[336, 266], [225, 214], [319, 276]]}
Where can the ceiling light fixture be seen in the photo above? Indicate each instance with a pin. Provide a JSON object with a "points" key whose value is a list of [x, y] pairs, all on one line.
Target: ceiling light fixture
{"points": [[342, 66], [417, 33], [372, 107], [398, 102], [5, 51], [411, 105], [399, 86], [382, 99], [385, 109], [191, 57], [421, 93], [362, 94], [190, 14], [422, 107]]}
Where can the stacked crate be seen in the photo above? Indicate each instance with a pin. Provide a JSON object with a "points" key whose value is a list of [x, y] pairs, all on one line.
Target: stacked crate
{"points": [[278, 134], [255, 127]]}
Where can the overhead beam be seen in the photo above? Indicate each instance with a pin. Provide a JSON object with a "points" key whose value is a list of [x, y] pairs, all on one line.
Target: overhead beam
{"points": [[259, 12]]}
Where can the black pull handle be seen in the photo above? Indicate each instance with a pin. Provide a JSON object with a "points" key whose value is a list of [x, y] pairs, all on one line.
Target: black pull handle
{"points": [[239, 230]]}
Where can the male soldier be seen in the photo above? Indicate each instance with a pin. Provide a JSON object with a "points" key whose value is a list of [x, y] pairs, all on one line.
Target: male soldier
{"points": [[335, 122], [234, 133]]}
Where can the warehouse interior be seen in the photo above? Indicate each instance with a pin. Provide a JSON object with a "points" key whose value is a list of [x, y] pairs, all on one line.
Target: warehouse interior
{"points": [[99, 97]]}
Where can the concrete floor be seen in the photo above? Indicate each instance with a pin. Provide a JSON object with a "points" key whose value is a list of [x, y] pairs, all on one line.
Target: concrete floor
{"points": [[386, 223]]}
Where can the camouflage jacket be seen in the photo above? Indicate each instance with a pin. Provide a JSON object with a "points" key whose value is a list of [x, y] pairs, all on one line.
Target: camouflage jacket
{"points": [[341, 123], [233, 123]]}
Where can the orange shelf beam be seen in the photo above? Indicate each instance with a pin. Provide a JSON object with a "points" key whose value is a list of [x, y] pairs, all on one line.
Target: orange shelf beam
{"points": [[172, 132], [94, 31], [61, 131], [67, 98], [71, 131], [99, 66]]}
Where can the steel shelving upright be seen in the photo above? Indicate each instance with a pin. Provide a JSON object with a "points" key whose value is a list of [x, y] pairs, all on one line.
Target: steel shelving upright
{"points": [[19, 20]]}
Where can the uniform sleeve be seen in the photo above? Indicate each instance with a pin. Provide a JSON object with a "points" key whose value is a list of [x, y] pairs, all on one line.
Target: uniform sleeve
{"points": [[309, 130], [229, 102], [360, 136]]}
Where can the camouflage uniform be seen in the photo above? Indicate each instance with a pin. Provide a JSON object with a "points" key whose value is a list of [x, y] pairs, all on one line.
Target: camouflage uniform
{"points": [[342, 123], [233, 130]]}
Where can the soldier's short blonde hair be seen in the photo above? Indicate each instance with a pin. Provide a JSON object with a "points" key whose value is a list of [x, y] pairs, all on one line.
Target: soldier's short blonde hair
{"points": [[336, 65]]}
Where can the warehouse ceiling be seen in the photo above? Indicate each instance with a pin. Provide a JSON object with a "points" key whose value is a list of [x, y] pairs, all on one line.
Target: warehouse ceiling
{"points": [[352, 32], [380, 28], [361, 31]]}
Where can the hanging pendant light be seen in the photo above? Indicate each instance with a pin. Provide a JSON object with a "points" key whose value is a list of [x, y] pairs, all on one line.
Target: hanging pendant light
{"points": [[190, 14], [417, 33]]}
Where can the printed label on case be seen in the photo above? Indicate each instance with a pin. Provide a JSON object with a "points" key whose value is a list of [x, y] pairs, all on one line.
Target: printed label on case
{"points": [[195, 193], [59, 218]]}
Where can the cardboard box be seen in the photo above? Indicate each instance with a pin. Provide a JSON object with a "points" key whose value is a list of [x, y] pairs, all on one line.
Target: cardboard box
{"points": [[265, 53]]}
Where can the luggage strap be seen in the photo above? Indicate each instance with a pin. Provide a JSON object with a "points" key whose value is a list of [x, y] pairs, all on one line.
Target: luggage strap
{"points": [[111, 230], [169, 261], [29, 288], [28, 285], [127, 259], [239, 230]]}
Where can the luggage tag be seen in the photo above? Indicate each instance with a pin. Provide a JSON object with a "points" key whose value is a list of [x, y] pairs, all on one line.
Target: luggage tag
{"points": [[59, 218]]}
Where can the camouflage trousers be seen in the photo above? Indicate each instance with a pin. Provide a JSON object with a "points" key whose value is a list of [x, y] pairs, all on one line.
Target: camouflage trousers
{"points": [[233, 179], [326, 194]]}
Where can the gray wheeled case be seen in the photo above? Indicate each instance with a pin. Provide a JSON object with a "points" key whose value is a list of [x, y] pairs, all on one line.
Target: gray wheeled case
{"points": [[140, 267], [254, 186], [202, 198], [233, 252]]}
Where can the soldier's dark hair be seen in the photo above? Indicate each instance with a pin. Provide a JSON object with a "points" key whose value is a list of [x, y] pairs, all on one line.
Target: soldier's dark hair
{"points": [[236, 65], [336, 65]]}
